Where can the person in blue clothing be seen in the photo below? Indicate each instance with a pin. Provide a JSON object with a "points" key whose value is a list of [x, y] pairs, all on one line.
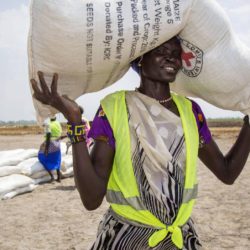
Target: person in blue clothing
{"points": [[50, 151]]}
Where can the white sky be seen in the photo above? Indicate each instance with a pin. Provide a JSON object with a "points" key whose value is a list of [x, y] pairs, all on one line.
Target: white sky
{"points": [[15, 97]]}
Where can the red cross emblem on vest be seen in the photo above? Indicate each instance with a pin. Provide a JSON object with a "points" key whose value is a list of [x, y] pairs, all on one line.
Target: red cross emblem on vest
{"points": [[186, 57]]}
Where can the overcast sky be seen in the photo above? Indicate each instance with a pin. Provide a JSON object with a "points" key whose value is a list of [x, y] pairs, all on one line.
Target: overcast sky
{"points": [[15, 97]]}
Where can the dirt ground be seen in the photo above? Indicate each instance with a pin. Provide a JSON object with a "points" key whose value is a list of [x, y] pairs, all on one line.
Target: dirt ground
{"points": [[52, 216]]}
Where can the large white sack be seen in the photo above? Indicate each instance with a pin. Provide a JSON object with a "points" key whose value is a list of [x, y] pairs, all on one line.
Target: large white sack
{"points": [[67, 162], [63, 148], [90, 44], [41, 180], [68, 173], [13, 182], [11, 152], [30, 166], [9, 170], [8, 154], [14, 157], [18, 191], [39, 174], [217, 65]]}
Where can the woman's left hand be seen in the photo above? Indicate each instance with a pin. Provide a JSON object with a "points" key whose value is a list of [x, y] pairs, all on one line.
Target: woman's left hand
{"points": [[66, 106]]}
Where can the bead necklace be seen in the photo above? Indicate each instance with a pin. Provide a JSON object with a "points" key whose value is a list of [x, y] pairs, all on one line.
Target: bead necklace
{"points": [[165, 100]]}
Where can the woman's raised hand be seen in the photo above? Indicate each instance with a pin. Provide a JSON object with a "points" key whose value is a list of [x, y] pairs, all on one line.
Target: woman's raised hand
{"points": [[47, 96]]}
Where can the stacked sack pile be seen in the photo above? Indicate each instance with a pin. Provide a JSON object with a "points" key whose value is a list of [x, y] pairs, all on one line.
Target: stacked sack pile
{"points": [[21, 171]]}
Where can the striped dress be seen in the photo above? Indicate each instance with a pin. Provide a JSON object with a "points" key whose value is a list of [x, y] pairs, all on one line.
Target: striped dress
{"points": [[160, 179]]}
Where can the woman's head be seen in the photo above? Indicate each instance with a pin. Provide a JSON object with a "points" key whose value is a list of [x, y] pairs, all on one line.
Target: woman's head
{"points": [[162, 63]]}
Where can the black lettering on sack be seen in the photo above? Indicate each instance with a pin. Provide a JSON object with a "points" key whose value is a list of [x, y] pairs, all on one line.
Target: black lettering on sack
{"points": [[135, 10], [136, 30], [156, 26], [144, 5], [177, 13], [145, 37], [90, 15], [120, 19], [107, 54], [168, 9], [157, 2], [146, 17], [89, 38], [133, 47], [119, 48], [108, 18]]}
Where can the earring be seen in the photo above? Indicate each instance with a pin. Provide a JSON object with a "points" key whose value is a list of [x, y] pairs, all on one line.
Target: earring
{"points": [[139, 63]]}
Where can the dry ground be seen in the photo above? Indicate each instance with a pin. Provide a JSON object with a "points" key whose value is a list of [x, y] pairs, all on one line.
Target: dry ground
{"points": [[52, 217]]}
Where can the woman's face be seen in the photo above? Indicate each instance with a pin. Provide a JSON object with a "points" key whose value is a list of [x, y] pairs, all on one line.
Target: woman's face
{"points": [[163, 63]]}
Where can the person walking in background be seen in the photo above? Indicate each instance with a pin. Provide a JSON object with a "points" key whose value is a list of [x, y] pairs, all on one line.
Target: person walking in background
{"points": [[50, 151], [147, 143]]}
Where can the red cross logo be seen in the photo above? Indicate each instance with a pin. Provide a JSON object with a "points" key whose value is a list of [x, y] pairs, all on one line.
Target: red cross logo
{"points": [[186, 57]]}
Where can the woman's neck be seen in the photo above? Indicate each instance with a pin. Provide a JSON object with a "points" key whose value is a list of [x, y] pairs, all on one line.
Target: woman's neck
{"points": [[156, 90]]}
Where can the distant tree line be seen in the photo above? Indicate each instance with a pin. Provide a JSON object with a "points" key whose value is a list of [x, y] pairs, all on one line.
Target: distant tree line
{"points": [[18, 123]]}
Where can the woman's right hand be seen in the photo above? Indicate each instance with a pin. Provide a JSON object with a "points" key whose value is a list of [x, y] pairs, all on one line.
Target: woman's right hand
{"points": [[63, 104]]}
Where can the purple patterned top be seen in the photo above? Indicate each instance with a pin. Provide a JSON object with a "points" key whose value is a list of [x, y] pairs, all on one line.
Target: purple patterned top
{"points": [[101, 128]]}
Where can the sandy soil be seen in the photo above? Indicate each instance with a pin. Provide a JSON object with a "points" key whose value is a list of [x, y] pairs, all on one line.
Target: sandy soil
{"points": [[52, 216]]}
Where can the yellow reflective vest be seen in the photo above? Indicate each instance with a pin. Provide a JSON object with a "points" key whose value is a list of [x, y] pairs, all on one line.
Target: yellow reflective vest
{"points": [[123, 194]]}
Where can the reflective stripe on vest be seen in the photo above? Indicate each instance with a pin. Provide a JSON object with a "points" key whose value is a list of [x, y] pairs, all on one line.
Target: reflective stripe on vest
{"points": [[123, 193]]}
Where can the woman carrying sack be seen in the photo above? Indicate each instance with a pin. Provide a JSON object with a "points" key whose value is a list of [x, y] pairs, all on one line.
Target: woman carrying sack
{"points": [[144, 159]]}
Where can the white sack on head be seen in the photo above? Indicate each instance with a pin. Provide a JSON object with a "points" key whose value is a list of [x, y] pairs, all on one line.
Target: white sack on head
{"points": [[13, 182], [90, 43], [216, 65]]}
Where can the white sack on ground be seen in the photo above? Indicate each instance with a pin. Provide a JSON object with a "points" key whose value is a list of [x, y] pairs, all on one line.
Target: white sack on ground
{"points": [[31, 166], [68, 173], [90, 44], [9, 170], [41, 180], [67, 162], [13, 182], [18, 191], [63, 148], [40, 174], [8, 155], [15, 157]]}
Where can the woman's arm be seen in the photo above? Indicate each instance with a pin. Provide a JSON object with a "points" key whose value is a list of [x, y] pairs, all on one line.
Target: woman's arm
{"points": [[227, 168], [91, 173]]}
